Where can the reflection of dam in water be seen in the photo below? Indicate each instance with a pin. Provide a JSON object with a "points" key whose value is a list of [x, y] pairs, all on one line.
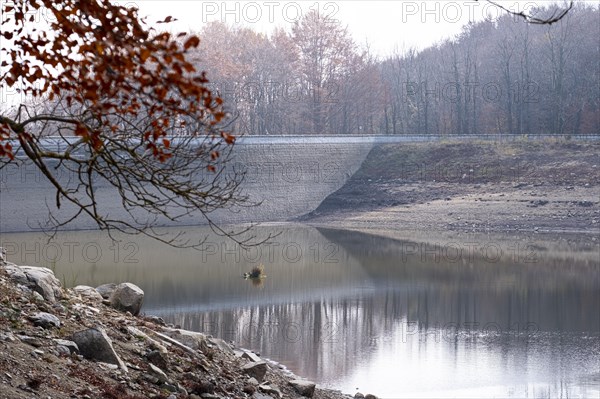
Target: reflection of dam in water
{"points": [[289, 177], [347, 308]]}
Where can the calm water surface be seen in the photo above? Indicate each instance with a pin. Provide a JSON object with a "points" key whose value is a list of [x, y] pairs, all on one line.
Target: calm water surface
{"points": [[467, 318]]}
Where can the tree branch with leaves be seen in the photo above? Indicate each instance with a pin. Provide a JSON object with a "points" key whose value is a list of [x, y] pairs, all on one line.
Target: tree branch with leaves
{"points": [[126, 111]]}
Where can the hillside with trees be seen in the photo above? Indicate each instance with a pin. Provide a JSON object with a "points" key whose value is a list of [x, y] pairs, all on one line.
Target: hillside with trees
{"points": [[503, 76]]}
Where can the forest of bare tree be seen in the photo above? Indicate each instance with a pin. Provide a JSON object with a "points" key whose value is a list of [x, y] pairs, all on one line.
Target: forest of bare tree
{"points": [[502, 76]]}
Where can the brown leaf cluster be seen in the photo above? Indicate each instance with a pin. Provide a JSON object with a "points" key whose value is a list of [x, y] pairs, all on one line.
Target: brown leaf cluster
{"points": [[102, 56]]}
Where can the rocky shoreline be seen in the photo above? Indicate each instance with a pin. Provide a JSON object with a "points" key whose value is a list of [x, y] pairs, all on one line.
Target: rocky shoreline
{"points": [[90, 342]]}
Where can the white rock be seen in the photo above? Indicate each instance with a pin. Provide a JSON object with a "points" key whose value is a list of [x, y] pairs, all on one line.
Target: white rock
{"points": [[87, 292], [69, 345], [127, 297], [42, 280], [194, 340], [45, 320], [16, 273]]}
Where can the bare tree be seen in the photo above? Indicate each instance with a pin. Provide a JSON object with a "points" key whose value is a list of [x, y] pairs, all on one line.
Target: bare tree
{"points": [[326, 54]]}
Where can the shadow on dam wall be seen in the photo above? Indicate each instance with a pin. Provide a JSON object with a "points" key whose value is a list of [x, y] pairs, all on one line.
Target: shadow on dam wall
{"points": [[288, 179]]}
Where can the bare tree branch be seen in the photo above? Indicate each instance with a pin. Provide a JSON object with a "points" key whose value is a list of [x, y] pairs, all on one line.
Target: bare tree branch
{"points": [[556, 16], [129, 117]]}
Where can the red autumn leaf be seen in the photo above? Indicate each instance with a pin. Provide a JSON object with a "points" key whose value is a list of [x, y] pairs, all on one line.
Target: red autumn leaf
{"points": [[81, 130], [229, 138], [193, 41], [144, 54]]}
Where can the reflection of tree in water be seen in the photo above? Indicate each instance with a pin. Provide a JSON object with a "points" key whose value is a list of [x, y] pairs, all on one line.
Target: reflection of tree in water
{"points": [[503, 306], [326, 320], [555, 294], [330, 337]]}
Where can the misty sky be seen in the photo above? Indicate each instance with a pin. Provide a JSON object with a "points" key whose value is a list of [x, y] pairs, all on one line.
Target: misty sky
{"points": [[384, 25]]}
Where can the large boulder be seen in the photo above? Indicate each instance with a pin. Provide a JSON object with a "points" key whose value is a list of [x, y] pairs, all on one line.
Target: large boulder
{"points": [[15, 273], [106, 290], [127, 297], [87, 292], [256, 370], [43, 281], [303, 387], [94, 344]]}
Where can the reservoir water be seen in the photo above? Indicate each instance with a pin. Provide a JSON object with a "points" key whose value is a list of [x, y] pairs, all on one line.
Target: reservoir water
{"points": [[466, 317]]}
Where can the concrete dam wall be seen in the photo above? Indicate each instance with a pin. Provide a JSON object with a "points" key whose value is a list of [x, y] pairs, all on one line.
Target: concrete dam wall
{"points": [[288, 176]]}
